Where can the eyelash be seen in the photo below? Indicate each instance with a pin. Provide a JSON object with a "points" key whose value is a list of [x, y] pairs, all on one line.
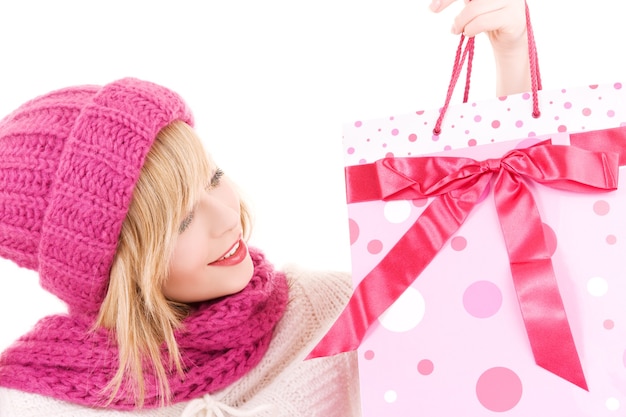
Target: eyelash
{"points": [[215, 181], [185, 223], [216, 178]]}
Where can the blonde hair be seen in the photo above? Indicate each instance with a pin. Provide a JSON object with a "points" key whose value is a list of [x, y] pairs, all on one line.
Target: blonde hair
{"points": [[176, 169]]}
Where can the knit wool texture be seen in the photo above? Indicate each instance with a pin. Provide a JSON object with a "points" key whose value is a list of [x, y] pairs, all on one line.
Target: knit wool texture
{"points": [[69, 161], [284, 380], [220, 342]]}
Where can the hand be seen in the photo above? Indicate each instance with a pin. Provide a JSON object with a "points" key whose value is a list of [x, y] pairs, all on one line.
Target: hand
{"points": [[504, 22]]}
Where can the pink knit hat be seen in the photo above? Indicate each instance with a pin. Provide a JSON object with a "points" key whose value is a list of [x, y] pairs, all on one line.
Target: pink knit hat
{"points": [[69, 161]]}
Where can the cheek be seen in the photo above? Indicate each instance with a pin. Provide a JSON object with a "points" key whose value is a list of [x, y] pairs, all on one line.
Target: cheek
{"points": [[189, 254], [184, 270], [229, 196]]}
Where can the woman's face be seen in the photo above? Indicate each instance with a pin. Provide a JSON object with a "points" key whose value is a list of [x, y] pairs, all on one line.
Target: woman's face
{"points": [[210, 259]]}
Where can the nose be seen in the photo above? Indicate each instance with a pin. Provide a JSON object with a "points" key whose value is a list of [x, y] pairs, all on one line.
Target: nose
{"points": [[223, 213]]}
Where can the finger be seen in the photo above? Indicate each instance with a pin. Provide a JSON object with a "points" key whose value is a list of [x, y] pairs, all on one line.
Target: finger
{"points": [[438, 5], [486, 22], [486, 15], [474, 9], [502, 21]]}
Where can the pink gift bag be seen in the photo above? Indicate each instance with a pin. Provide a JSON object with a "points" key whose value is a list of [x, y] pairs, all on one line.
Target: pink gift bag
{"points": [[489, 258]]}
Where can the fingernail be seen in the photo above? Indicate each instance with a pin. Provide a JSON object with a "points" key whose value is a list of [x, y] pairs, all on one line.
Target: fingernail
{"points": [[434, 6]]}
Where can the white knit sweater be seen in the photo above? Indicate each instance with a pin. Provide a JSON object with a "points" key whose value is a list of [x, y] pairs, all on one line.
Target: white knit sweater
{"points": [[282, 384]]}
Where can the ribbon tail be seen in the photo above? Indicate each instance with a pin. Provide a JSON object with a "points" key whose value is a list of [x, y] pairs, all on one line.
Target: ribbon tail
{"points": [[398, 270], [535, 282], [546, 322]]}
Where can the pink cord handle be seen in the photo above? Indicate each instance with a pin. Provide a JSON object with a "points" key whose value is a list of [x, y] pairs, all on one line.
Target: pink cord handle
{"points": [[465, 50]]}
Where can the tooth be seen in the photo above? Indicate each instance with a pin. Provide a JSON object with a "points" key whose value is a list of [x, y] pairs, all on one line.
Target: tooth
{"points": [[232, 251]]}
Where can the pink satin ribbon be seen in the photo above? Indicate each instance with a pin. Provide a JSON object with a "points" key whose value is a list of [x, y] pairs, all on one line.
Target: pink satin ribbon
{"points": [[457, 185]]}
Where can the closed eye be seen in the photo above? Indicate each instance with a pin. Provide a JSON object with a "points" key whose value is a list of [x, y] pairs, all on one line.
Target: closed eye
{"points": [[185, 223], [216, 178], [213, 183]]}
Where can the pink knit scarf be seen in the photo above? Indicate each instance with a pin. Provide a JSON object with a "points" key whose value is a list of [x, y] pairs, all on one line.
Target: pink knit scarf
{"points": [[222, 340]]}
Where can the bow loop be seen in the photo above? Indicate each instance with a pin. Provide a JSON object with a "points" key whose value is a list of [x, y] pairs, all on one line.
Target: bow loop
{"points": [[410, 178], [565, 167], [394, 181]]}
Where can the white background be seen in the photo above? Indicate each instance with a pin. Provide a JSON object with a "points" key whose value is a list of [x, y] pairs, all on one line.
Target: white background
{"points": [[271, 83]]}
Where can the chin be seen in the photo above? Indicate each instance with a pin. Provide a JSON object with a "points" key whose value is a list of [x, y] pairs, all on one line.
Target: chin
{"points": [[238, 277], [246, 273]]}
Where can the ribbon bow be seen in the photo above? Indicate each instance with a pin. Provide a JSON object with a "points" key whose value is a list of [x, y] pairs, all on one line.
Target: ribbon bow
{"points": [[207, 406], [457, 185]]}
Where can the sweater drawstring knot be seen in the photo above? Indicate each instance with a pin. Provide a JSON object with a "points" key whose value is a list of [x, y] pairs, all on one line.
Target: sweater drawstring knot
{"points": [[207, 406]]}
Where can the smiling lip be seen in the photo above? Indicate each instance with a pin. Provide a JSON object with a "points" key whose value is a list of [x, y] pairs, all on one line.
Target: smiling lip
{"points": [[235, 258]]}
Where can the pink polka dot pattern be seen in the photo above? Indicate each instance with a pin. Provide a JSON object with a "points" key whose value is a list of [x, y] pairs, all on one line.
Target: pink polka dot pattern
{"points": [[354, 231], [374, 246], [482, 299], [425, 367], [550, 237], [601, 208], [458, 243], [499, 389], [470, 341]]}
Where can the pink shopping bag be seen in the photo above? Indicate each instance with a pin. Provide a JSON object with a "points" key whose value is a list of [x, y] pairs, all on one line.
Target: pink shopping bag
{"points": [[488, 259]]}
